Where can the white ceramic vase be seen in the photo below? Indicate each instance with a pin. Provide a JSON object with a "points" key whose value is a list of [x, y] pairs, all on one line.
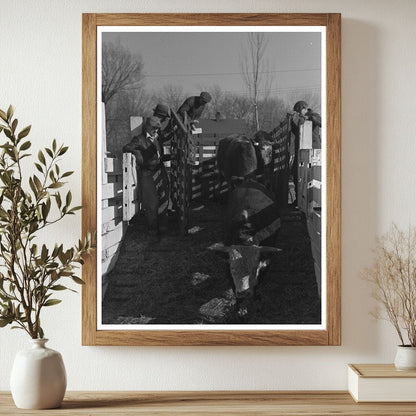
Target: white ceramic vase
{"points": [[405, 358], [38, 377]]}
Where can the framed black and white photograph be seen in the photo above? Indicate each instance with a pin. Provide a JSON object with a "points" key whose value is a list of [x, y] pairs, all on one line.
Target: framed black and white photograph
{"points": [[211, 172]]}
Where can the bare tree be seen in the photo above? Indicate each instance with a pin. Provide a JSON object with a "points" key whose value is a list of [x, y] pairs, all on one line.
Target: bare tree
{"points": [[172, 95], [311, 96], [255, 70], [272, 112], [121, 70], [118, 111], [217, 98]]}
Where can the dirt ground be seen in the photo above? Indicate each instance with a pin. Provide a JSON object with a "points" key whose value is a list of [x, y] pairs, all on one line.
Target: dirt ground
{"points": [[179, 281]]}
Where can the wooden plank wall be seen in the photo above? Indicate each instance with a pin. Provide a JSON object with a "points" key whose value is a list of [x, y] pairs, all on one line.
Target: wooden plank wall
{"points": [[282, 137], [112, 227], [309, 193], [131, 198]]}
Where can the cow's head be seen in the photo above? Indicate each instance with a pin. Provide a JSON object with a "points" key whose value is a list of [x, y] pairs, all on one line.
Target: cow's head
{"points": [[263, 144], [246, 263]]}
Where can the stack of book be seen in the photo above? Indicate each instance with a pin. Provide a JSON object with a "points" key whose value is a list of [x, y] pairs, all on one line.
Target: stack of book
{"points": [[381, 383]]}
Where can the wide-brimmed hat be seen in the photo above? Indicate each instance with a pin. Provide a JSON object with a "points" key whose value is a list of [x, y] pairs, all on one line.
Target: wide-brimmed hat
{"points": [[205, 96], [161, 110]]}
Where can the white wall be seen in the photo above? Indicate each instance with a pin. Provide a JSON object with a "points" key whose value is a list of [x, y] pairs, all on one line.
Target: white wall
{"points": [[40, 73]]}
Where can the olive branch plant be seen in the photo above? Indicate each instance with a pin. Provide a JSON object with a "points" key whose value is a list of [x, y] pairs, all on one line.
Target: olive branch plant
{"points": [[30, 273], [393, 277]]}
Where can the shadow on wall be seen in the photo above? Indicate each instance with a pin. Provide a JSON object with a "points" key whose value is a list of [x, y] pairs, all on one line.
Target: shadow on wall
{"points": [[361, 185]]}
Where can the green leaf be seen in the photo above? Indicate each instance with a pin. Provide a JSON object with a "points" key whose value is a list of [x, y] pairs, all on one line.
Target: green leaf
{"points": [[5, 321], [44, 253], [8, 133], [37, 183], [63, 150], [77, 208], [58, 199], [78, 280], [10, 112], [41, 157], [24, 132], [68, 199], [59, 287], [54, 145], [56, 185], [39, 167], [33, 187], [14, 125], [62, 257], [67, 174], [55, 251], [25, 155], [45, 210], [51, 302], [40, 332], [25, 145], [49, 151], [3, 115], [4, 298]]}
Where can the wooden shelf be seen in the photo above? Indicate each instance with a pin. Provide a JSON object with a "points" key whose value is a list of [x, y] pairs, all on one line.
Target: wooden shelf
{"points": [[178, 403]]}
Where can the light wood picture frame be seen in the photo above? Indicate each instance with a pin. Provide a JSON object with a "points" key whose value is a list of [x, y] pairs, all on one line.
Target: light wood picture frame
{"points": [[329, 331]]}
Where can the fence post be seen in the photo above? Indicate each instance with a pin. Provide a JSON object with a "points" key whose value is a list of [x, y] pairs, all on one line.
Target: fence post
{"points": [[130, 187]]}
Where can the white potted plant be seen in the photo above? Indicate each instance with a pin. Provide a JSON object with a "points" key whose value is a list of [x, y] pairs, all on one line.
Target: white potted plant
{"points": [[31, 273], [393, 276]]}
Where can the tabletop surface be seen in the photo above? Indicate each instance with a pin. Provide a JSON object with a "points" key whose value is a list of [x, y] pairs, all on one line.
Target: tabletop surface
{"points": [[177, 403]]}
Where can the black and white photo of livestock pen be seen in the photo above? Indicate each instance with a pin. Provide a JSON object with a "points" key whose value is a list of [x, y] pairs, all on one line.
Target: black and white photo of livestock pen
{"points": [[242, 242]]}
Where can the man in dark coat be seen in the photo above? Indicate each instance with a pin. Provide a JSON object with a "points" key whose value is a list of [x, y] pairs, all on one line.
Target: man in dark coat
{"points": [[163, 113], [153, 181], [301, 114], [194, 106]]}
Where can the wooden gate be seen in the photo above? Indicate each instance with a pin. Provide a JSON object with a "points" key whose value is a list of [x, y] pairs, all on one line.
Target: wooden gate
{"points": [[283, 137], [180, 170]]}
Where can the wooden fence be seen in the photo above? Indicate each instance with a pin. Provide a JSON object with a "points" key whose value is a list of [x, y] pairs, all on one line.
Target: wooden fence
{"points": [[282, 137], [309, 193], [112, 225], [200, 180], [206, 179], [199, 175]]}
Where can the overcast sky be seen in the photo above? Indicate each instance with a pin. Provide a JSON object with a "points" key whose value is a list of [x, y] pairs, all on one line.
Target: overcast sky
{"points": [[192, 60]]}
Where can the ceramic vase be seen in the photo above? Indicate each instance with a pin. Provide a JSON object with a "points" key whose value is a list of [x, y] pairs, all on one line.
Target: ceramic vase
{"points": [[38, 377], [405, 358]]}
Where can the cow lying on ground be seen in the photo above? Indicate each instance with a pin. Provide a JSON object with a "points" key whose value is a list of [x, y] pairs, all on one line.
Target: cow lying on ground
{"points": [[250, 226]]}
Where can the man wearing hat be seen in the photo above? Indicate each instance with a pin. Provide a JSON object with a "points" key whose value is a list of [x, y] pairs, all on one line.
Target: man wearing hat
{"points": [[162, 112], [302, 113], [194, 106], [153, 181]]}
